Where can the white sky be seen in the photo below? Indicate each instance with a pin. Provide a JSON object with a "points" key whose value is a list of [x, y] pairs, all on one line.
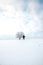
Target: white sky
{"points": [[12, 18]]}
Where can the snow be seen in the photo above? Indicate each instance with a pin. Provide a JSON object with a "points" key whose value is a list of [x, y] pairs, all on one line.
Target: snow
{"points": [[21, 52]]}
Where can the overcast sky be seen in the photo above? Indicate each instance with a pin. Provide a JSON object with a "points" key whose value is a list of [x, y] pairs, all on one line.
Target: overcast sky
{"points": [[21, 15]]}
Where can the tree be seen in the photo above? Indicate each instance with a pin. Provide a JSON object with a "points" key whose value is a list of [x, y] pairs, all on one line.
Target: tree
{"points": [[20, 35]]}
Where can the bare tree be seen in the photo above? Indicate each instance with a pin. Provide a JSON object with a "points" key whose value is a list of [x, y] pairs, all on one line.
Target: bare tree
{"points": [[20, 35]]}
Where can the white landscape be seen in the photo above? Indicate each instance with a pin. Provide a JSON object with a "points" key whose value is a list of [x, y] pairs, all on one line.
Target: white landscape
{"points": [[21, 52], [21, 16]]}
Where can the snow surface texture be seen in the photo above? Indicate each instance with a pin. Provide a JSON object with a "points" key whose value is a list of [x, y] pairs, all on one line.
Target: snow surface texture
{"points": [[21, 52]]}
